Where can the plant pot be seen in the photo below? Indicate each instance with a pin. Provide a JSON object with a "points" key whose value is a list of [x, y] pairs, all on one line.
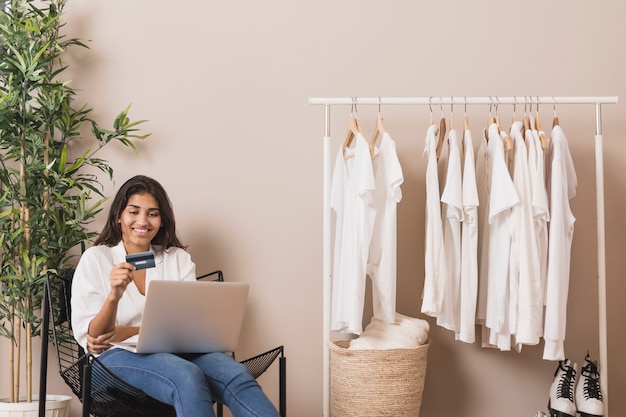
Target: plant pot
{"points": [[56, 406]]}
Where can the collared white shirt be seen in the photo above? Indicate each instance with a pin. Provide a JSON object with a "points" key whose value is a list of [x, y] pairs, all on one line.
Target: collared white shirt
{"points": [[91, 285]]}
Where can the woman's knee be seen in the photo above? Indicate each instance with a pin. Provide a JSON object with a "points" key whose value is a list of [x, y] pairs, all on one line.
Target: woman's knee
{"points": [[222, 369]]}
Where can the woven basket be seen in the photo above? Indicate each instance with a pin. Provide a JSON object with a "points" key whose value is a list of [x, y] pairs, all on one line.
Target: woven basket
{"points": [[376, 383]]}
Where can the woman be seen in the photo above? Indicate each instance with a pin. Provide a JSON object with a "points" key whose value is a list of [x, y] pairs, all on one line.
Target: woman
{"points": [[108, 296]]}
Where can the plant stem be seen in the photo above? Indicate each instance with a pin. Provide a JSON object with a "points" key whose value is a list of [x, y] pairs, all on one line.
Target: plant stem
{"points": [[29, 356], [12, 361], [16, 363]]}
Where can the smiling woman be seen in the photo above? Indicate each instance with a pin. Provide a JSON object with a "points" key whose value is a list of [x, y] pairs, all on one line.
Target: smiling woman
{"points": [[108, 298]]}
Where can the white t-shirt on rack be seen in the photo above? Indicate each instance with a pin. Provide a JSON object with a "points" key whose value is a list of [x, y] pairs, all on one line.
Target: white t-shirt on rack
{"points": [[541, 208], [483, 180], [352, 199], [563, 184], [526, 291], [469, 245], [452, 199], [503, 196], [382, 264], [434, 262]]}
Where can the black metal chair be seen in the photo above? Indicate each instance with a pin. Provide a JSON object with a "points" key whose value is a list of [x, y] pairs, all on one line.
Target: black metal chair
{"points": [[114, 397]]}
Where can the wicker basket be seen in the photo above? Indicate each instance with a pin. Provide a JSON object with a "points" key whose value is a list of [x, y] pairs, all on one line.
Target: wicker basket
{"points": [[376, 383]]}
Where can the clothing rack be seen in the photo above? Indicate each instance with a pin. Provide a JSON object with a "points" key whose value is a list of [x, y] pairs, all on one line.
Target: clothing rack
{"points": [[495, 100]]}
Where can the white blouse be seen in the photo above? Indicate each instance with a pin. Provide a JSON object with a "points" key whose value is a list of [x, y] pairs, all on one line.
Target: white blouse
{"points": [[91, 285]]}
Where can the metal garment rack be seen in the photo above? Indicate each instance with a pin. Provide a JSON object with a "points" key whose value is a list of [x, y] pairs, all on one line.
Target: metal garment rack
{"points": [[495, 100]]}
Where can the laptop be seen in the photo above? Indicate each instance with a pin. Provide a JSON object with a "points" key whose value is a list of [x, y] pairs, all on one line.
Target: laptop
{"points": [[190, 317]]}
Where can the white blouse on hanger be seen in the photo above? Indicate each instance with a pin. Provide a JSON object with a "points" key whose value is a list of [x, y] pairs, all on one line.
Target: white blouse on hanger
{"points": [[352, 199], [434, 262], [563, 184], [541, 208], [469, 245], [503, 197], [382, 263], [526, 290], [452, 199]]}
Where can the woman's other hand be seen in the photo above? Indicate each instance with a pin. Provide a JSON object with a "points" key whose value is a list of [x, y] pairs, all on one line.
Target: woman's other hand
{"points": [[102, 343], [99, 344]]}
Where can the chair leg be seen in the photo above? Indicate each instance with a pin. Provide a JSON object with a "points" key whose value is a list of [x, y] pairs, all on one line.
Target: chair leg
{"points": [[220, 410], [282, 361], [86, 389]]}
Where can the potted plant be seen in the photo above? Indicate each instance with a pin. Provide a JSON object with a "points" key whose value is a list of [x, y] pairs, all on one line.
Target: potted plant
{"points": [[50, 187]]}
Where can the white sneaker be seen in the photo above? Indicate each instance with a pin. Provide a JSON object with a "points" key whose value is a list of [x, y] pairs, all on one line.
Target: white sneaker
{"points": [[588, 394], [561, 402]]}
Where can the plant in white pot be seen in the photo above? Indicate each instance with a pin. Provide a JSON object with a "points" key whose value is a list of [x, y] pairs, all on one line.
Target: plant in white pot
{"points": [[49, 171]]}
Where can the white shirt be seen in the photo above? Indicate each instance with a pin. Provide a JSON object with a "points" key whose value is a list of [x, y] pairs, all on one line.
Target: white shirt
{"points": [[434, 262], [541, 208], [503, 197], [382, 263], [352, 199], [526, 291], [483, 181], [452, 199], [91, 285], [469, 245], [563, 184]]}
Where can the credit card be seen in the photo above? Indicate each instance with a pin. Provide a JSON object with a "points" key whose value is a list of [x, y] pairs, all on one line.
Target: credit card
{"points": [[141, 260]]}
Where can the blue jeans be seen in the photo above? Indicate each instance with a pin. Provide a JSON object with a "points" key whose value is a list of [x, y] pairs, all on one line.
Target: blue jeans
{"points": [[190, 383]]}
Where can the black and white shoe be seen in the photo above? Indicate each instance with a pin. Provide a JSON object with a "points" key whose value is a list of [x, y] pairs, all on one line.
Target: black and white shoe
{"points": [[561, 402], [588, 394]]}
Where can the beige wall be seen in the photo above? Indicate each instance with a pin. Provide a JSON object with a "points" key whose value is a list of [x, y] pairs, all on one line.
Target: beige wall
{"points": [[225, 86]]}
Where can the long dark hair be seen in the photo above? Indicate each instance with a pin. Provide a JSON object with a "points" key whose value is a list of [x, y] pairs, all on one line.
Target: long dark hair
{"points": [[140, 184]]}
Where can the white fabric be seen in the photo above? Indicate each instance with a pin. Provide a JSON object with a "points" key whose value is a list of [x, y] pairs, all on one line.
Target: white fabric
{"points": [[483, 180], [404, 333], [469, 245], [541, 208], [526, 290], [434, 263], [452, 199], [503, 197], [91, 285], [352, 199], [382, 263], [563, 184]]}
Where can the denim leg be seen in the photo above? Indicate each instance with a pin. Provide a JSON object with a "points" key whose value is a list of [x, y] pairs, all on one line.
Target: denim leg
{"points": [[166, 377], [231, 383]]}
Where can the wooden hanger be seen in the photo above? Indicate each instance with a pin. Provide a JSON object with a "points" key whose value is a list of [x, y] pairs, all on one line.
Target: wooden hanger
{"points": [[489, 122], [498, 123], [452, 113], [508, 142], [542, 136], [465, 125], [526, 118], [442, 133], [354, 127], [379, 130], [497, 118], [555, 121]]}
